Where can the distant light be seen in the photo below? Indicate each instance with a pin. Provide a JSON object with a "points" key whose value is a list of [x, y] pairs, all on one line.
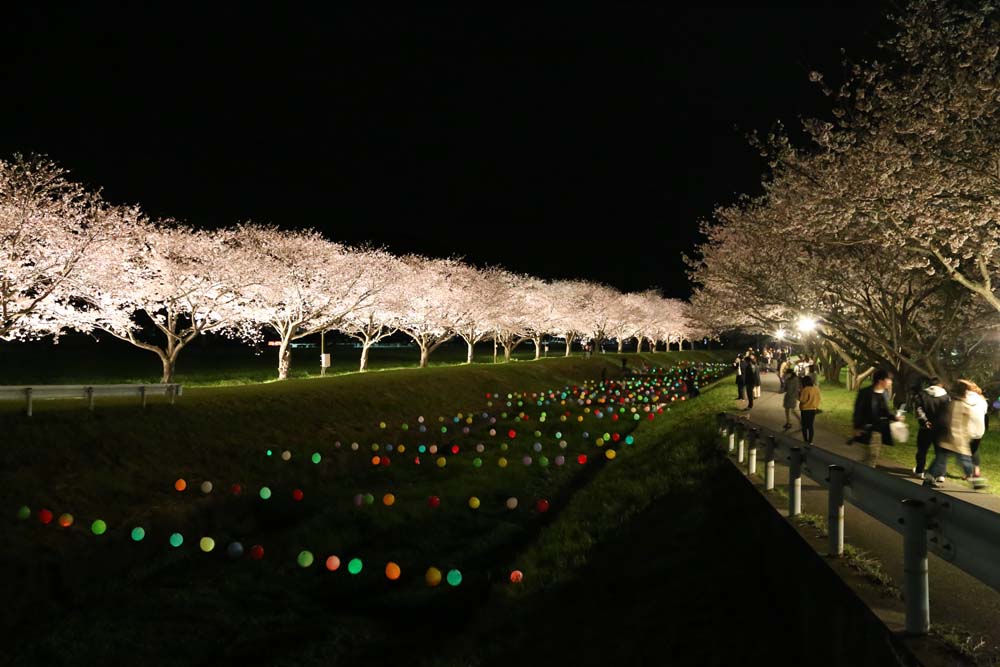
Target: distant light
{"points": [[780, 334], [807, 324]]}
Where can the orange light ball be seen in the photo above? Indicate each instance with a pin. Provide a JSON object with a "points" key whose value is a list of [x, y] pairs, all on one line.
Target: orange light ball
{"points": [[516, 577], [392, 571], [180, 485]]}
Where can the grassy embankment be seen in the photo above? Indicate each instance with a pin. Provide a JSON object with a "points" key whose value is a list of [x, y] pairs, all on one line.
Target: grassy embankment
{"points": [[75, 594]]}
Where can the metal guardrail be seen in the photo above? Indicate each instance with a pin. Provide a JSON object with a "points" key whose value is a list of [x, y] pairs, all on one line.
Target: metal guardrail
{"points": [[966, 535], [29, 394]]}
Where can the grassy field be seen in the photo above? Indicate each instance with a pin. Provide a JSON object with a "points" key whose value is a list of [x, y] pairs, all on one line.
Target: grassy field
{"points": [[71, 593]]}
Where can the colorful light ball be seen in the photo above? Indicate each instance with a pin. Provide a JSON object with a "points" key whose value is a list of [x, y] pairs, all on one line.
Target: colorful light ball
{"points": [[381, 424], [454, 577], [543, 461], [510, 434], [392, 571], [305, 558], [610, 454], [23, 512], [316, 457], [433, 449], [474, 503], [333, 563], [286, 455], [265, 493], [355, 565], [268, 452], [454, 449], [369, 499], [526, 460], [234, 550], [503, 447], [388, 500], [297, 495], [441, 462], [65, 520], [206, 487], [98, 527], [581, 459], [358, 499], [516, 577], [180, 485], [560, 460], [376, 460], [176, 540], [511, 503], [354, 446], [492, 432], [542, 505], [401, 449], [138, 534], [434, 501], [477, 462], [256, 552], [432, 576], [502, 462], [537, 446], [206, 544], [236, 489], [629, 440]]}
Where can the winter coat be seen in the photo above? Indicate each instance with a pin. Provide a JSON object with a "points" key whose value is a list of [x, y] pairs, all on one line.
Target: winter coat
{"points": [[751, 373], [871, 408], [932, 406], [791, 400], [809, 398], [966, 422], [740, 379]]}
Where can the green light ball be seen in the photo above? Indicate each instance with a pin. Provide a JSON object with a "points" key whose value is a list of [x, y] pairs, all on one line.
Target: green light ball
{"points": [[176, 540], [354, 567], [454, 577], [98, 527], [305, 559], [23, 512], [477, 462], [138, 533], [265, 493], [316, 458], [369, 499]]}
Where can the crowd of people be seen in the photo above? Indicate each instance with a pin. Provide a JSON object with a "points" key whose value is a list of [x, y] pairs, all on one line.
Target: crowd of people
{"points": [[951, 422]]}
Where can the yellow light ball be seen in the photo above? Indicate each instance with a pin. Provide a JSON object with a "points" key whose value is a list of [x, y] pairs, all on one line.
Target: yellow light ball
{"points": [[442, 462], [610, 454], [433, 576], [206, 544], [474, 503], [502, 462]]}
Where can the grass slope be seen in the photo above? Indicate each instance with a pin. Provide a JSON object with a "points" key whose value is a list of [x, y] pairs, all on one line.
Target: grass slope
{"points": [[119, 464]]}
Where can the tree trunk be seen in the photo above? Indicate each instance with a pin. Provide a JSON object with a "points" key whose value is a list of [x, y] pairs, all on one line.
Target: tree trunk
{"points": [[284, 359], [364, 356], [569, 344], [621, 344], [168, 368], [468, 357], [638, 344], [538, 347], [506, 353], [424, 355], [494, 349]]}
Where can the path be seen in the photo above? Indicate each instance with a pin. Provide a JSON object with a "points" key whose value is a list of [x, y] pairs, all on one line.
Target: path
{"points": [[956, 597]]}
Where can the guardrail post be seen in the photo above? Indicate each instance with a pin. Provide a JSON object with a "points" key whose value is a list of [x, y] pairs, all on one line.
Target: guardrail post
{"points": [[173, 393], [90, 398], [741, 445], [752, 452], [835, 513], [27, 395], [769, 463], [142, 393], [795, 483], [916, 592]]}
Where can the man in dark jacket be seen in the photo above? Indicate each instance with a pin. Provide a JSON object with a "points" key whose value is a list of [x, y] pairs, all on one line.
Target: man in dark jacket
{"points": [[873, 414], [931, 410], [740, 378]]}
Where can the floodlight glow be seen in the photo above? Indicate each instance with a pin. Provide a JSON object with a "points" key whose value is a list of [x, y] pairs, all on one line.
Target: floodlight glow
{"points": [[806, 324]]}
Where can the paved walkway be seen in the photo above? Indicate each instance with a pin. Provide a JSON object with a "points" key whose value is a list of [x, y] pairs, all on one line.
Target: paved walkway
{"points": [[956, 597]]}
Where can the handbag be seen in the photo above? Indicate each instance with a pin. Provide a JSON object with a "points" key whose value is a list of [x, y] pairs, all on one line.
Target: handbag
{"points": [[899, 431]]}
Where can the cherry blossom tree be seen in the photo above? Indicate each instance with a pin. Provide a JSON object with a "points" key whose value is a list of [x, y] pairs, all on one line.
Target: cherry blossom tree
{"points": [[432, 309], [568, 299], [306, 285], [49, 226], [475, 303], [169, 282], [378, 317]]}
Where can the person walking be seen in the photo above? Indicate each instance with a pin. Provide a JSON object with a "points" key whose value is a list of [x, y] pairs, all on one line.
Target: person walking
{"points": [[755, 377], [931, 409], [872, 415], [974, 445], [740, 378], [791, 400], [966, 422], [749, 373], [809, 405]]}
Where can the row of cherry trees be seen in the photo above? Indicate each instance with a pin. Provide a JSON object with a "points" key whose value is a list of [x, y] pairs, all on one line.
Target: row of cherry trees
{"points": [[70, 260], [886, 226]]}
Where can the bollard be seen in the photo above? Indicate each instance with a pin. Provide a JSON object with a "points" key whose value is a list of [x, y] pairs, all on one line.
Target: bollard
{"points": [[27, 393], [769, 464], [916, 592], [752, 453], [741, 445], [732, 436], [795, 483], [835, 513], [142, 393]]}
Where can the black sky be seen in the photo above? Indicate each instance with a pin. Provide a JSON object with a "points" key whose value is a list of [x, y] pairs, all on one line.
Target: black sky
{"points": [[495, 133]]}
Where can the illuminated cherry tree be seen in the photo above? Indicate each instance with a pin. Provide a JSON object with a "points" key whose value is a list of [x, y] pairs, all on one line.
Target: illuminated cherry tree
{"points": [[50, 228], [305, 285], [169, 285], [431, 308]]}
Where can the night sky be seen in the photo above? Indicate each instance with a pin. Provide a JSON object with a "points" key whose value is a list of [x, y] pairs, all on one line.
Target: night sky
{"points": [[564, 141]]}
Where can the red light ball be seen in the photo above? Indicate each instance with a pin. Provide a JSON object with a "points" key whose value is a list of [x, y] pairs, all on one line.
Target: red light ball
{"points": [[542, 505], [512, 434], [256, 552], [434, 501], [297, 495], [236, 489], [45, 516], [454, 449], [581, 459], [516, 577]]}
